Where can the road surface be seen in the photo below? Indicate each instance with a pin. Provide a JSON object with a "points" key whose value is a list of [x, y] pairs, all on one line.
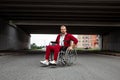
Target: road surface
{"points": [[88, 67]]}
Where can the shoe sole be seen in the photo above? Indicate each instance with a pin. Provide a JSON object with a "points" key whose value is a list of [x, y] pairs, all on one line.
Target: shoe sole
{"points": [[44, 64]]}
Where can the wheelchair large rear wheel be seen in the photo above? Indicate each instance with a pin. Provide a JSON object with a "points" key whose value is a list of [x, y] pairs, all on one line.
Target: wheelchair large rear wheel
{"points": [[61, 59], [70, 56]]}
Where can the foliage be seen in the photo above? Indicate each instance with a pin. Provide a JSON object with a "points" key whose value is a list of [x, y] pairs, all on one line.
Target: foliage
{"points": [[34, 46]]}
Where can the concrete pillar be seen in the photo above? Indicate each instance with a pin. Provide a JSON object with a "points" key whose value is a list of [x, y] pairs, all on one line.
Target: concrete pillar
{"points": [[13, 38], [100, 41], [111, 41]]}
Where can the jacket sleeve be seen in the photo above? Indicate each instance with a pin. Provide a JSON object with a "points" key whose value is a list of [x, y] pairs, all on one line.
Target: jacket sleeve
{"points": [[75, 40]]}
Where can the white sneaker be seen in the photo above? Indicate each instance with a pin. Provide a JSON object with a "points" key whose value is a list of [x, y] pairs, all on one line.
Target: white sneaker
{"points": [[45, 62], [53, 62]]}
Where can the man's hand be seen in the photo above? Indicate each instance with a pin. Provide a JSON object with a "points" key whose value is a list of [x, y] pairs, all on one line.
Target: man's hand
{"points": [[70, 48]]}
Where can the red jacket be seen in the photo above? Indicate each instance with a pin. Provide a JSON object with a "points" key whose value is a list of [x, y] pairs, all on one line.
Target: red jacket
{"points": [[67, 39]]}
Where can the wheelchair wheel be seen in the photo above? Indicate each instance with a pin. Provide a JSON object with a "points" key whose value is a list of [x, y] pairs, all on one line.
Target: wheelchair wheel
{"points": [[61, 59], [70, 56]]}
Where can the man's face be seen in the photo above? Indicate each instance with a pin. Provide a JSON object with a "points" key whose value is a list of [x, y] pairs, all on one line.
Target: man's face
{"points": [[63, 29]]}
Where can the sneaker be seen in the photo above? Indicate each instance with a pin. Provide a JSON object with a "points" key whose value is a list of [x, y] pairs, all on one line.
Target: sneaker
{"points": [[53, 62], [45, 62]]}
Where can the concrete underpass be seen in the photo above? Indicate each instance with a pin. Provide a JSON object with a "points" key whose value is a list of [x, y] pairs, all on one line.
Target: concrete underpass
{"points": [[19, 19]]}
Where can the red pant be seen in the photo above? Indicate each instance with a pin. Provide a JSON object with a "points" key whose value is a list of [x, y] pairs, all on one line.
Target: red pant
{"points": [[55, 48]]}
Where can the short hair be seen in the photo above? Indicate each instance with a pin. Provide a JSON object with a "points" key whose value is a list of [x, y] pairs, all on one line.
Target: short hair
{"points": [[63, 26]]}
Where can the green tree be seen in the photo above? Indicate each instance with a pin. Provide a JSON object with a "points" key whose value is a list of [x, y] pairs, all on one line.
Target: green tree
{"points": [[34, 46]]}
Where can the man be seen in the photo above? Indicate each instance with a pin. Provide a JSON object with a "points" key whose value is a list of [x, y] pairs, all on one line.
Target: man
{"points": [[63, 39]]}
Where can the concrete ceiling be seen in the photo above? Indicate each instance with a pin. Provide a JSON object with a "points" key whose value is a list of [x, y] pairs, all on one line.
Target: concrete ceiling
{"points": [[45, 17]]}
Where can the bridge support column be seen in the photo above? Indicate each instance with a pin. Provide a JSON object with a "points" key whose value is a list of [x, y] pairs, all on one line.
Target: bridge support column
{"points": [[12, 37], [111, 41]]}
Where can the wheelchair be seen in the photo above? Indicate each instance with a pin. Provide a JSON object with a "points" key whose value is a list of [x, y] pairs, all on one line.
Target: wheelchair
{"points": [[66, 57]]}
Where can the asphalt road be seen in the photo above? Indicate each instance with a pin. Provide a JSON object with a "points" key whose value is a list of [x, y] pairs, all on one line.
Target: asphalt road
{"points": [[87, 67]]}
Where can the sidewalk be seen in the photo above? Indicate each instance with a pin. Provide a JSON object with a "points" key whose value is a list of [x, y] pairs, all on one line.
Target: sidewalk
{"points": [[109, 53]]}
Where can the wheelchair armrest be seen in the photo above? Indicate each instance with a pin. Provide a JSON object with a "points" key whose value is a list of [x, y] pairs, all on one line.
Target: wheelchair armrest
{"points": [[53, 43]]}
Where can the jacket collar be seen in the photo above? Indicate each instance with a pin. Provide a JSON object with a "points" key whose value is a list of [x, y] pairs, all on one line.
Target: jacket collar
{"points": [[65, 34]]}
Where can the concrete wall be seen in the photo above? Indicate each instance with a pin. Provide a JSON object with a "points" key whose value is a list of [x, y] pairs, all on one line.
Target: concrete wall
{"points": [[112, 41], [13, 38]]}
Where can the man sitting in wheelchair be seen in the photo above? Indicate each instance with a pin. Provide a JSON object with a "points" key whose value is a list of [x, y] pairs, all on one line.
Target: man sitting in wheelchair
{"points": [[63, 40]]}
